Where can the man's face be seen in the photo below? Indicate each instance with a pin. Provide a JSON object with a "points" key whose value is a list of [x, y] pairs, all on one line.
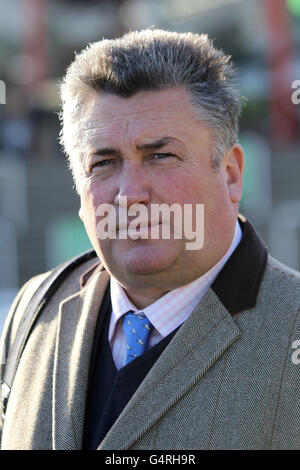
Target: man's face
{"points": [[151, 149]]}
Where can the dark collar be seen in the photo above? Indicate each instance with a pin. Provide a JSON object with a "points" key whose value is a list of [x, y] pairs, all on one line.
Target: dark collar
{"points": [[238, 283]]}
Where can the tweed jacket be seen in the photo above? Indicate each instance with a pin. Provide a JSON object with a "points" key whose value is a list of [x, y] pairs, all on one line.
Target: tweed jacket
{"points": [[228, 379]]}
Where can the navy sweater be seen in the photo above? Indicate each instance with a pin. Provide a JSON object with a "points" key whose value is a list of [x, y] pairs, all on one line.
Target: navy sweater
{"points": [[109, 389]]}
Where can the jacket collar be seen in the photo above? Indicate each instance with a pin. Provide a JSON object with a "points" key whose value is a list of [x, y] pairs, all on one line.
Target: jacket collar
{"points": [[85, 278], [77, 320], [238, 283]]}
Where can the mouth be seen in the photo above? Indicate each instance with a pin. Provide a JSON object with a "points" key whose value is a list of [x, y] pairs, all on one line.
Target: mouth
{"points": [[133, 224], [139, 231]]}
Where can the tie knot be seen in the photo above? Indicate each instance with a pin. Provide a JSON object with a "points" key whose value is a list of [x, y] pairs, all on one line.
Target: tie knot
{"points": [[137, 329]]}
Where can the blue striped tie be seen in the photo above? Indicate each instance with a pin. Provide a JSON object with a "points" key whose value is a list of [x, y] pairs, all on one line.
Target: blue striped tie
{"points": [[137, 329]]}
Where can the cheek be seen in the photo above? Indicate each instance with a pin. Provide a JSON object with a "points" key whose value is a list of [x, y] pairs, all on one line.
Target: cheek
{"points": [[201, 189], [184, 189], [91, 201], [89, 206], [94, 195], [172, 187]]}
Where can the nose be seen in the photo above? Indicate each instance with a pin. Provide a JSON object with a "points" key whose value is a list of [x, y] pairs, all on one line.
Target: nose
{"points": [[134, 186]]}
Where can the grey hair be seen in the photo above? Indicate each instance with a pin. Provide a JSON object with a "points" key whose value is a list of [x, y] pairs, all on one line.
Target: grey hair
{"points": [[152, 60]]}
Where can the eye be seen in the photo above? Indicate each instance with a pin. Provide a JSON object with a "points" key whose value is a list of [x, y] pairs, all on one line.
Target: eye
{"points": [[102, 163], [160, 156]]}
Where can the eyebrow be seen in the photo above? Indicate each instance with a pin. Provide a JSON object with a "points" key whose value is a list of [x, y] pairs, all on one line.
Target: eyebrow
{"points": [[156, 144], [106, 151], [150, 146]]}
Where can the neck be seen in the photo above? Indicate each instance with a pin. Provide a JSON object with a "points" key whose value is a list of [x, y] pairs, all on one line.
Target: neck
{"points": [[145, 297]]}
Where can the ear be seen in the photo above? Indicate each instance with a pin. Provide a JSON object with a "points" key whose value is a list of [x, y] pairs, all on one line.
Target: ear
{"points": [[80, 213], [234, 163]]}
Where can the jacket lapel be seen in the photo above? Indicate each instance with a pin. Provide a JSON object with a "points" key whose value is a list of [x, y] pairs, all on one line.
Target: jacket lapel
{"points": [[77, 321], [205, 335]]}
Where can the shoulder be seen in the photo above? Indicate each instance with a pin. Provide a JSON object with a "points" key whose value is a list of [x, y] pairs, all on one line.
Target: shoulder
{"points": [[69, 284], [278, 301], [276, 313], [22, 299], [278, 268], [282, 280]]}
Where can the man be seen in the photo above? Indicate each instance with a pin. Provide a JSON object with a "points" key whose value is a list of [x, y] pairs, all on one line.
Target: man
{"points": [[152, 119]]}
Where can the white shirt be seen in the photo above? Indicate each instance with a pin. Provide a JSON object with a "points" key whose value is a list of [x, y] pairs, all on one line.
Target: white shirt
{"points": [[166, 313]]}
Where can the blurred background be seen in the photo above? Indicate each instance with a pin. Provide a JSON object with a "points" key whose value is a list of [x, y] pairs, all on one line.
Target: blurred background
{"points": [[39, 223]]}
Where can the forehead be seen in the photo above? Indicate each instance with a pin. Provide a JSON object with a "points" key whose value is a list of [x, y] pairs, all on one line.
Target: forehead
{"points": [[146, 114]]}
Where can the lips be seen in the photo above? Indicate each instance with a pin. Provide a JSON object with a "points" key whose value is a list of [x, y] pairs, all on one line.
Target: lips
{"points": [[139, 225], [138, 230]]}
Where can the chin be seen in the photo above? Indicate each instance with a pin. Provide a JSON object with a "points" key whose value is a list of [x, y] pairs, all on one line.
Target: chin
{"points": [[146, 259]]}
